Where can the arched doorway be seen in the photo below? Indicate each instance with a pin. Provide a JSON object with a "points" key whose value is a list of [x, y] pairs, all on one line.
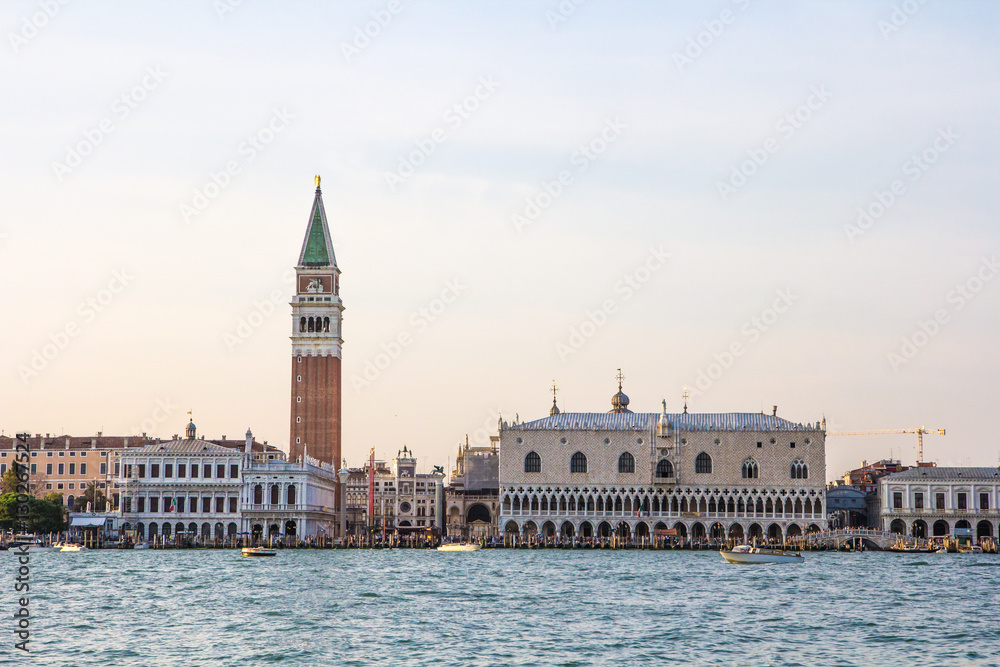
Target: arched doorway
{"points": [[530, 529], [898, 526], [166, 529], [793, 530], [813, 528], [257, 532], [718, 531], [962, 524], [682, 531], [604, 529], [623, 531], [511, 528], [152, 530], [918, 529], [755, 532], [220, 531], [642, 530], [940, 528], [984, 529], [478, 512], [273, 530], [587, 529], [548, 529], [192, 528], [697, 531], [231, 529], [290, 528], [736, 532], [774, 533], [566, 529], [206, 531]]}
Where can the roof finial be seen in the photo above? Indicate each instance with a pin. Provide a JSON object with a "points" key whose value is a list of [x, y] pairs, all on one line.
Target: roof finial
{"points": [[686, 395], [621, 378], [554, 390], [317, 181]]}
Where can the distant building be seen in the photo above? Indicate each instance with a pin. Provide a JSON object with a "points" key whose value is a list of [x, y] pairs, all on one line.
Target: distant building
{"points": [[472, 498], [847, 506], [866, 479], [66, 464], [740, 475], [934, 502], [406, 501], [189, 487]]}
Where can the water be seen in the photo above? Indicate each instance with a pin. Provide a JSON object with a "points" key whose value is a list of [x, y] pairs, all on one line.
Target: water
{"points": [[570, 608]]}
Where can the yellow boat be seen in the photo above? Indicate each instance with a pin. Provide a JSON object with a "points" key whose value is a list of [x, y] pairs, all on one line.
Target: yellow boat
{"points": [[459, 547], [258, 551]]}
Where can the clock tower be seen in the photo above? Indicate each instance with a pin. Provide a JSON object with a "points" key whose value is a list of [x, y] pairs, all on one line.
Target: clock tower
{"points": [[316, 344]]}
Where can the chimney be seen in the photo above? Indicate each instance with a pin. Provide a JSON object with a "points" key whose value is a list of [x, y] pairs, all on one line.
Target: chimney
{"points": [[249, 446], [774, 410]]}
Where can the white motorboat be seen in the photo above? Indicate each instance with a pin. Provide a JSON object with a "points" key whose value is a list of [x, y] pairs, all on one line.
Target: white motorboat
{"points": [[72, 547], [746, 554], [459, 547], [141, 545], [258, 551]]}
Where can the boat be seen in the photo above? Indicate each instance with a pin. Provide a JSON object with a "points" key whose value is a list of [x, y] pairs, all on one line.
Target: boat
{"points": [[747, 554], [459, 547], [141, 545], [258, 551], [72, 547]]}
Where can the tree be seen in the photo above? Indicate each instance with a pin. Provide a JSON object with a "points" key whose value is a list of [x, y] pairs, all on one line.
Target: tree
{"points": [[8, 483], [42, 516], [94, 495]]}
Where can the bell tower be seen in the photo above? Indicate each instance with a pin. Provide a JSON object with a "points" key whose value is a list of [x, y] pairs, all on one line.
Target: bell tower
{"points": [[316, 344]]}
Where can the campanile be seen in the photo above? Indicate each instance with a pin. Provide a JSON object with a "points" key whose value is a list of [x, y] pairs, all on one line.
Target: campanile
{"points": [[316, 344]]}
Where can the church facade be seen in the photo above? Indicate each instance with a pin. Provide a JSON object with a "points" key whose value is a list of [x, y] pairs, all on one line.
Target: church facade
{"points": [[702, 476]]}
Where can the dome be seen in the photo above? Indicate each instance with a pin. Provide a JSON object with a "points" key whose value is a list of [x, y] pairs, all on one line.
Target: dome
{"points": [[619, 402]]}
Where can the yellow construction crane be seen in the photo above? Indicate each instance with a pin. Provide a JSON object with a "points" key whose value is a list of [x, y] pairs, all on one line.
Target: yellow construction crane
{"points": [[896, 431]]}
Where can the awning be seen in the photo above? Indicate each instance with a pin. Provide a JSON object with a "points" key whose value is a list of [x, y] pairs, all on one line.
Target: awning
{"points": [[80, 522]]}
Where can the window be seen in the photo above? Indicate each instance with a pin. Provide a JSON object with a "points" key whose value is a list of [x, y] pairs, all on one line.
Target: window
{"points": [[703, 463], [984, 501], [49, 454], [220, 470], [3, 468], [897, 500], [275, 495], [104, 467], [962, 502], [578, 463], [72, 485], [760, 445], [62, 468], [918, 501], [117, 467], [154, 504], [48, 468], [626, 463], [291, 495], [258, 494], [799, 469], [34, 468], [83, 468], [48, 485], [72, 468], [142, 470], [939, 501], [220, 505], [141, 505], [207, 472], [206, 505], [232, 505], [180, 504], [154, 470], [234, 471], [194, 470], [59, 485], [532, 462], [181, 470], [72, 453], [750, 470], [664, 468], [168, 470]]}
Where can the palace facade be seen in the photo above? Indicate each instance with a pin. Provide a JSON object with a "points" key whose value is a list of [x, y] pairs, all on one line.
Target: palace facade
{"points": [[705, 476], [928, 501]]}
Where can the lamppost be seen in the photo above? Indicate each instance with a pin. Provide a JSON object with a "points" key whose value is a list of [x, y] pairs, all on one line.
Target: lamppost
{"points": [[343, 475]]}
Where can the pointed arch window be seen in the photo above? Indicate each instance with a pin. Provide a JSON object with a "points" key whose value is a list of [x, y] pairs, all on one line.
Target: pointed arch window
{"points": [[578, 463], [532, 462], [626, 463], [664, 468], [703, 463], [799, 469], [750, 469]]}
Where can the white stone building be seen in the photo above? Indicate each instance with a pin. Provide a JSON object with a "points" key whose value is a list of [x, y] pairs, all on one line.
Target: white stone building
{"points": [[928, 501], [407, 501], [189, 487], [712, 476]]}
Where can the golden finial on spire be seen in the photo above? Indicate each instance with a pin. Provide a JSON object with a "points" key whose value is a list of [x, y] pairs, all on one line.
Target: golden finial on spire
{"points": [[317, 180]]}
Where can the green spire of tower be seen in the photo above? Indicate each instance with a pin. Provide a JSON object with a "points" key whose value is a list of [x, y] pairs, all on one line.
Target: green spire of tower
{"points": [[317, 248]]}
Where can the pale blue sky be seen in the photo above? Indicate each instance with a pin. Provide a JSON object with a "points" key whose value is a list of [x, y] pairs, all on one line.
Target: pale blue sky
{"points": [[681, 128]]}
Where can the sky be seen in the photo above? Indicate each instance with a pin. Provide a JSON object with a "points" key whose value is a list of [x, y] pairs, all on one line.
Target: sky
{"points": [[769, 203]]}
